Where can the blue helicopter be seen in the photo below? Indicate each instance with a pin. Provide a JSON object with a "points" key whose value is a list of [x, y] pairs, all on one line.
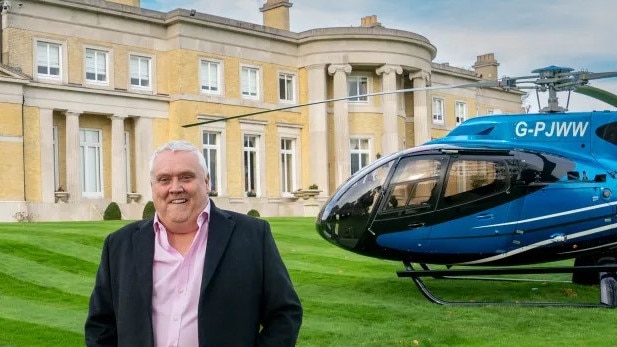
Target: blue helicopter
{"points": [[501, 191], [497, 193]]}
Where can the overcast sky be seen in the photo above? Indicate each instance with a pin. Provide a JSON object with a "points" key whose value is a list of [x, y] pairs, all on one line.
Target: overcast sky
{"points": [[523, 34]]}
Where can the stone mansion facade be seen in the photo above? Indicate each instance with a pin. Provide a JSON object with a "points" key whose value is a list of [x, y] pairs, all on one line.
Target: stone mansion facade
{"points": [[90, 88]]}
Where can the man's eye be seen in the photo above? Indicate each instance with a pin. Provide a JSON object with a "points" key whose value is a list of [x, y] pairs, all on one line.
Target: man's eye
{"points": [[163, 180], [186, 178]]}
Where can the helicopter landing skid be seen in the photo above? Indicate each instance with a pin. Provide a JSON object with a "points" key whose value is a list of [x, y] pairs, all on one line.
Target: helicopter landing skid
{"points": [[608, 283]]}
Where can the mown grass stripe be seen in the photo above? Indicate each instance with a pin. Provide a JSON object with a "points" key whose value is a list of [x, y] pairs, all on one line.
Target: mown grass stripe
{"points": [[58, 244], [58, 261], [31, 271], [19, 333], [12, 286], [34, 312]]}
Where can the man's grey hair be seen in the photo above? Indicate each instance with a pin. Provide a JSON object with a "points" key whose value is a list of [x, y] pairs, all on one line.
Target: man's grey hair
{"points": [[180, 146]]}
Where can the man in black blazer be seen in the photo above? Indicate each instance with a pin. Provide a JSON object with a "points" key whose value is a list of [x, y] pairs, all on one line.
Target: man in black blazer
{"points": [[242, 297]]}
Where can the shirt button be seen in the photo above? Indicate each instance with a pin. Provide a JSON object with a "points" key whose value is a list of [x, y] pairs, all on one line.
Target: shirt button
{"points": [[180, 290], [176, 318]]}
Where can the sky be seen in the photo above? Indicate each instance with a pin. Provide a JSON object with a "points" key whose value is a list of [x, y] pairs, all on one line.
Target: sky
{"points": [[523, 34]]}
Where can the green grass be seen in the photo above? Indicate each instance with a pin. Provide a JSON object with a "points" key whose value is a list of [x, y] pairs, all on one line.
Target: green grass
{"points": [[47, 272]]}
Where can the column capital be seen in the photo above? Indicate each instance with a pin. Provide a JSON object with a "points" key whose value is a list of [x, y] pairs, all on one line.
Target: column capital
{"points": [[421, 74], [388, 69], [333, 68]]}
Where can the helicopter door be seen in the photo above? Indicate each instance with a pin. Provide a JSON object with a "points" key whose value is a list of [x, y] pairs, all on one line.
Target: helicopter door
{"points": [[475, 214], [406, 212]]}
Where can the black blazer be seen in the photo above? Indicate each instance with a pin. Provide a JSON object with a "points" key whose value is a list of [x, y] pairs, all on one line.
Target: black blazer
{"points": [[247, 298]]}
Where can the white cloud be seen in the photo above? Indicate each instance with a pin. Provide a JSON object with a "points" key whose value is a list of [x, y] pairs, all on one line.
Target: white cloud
{"points": [[523, 34]]}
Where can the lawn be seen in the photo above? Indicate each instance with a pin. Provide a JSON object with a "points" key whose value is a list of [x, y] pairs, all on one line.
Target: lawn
{"points": [[47, 272]]}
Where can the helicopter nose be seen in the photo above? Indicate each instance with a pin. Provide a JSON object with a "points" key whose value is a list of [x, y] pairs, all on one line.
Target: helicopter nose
{"points": [[345, 218]]}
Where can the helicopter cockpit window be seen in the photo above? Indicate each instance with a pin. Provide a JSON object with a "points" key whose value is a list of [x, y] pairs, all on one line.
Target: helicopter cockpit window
{"points": [[608, 132], [470, 180], [413, 183], [363, 195]]}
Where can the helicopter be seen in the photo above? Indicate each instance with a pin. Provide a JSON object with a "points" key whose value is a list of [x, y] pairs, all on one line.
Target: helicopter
{"points": [[496, 194]]}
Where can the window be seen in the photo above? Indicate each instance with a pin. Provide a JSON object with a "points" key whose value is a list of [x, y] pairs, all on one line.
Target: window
{"points": [[460, 112], [48, 60], [141, 72], [286, 87], [126, 161], [470, 179], [90, 144], [56, 157], [251, 164], [357, 85], [414, 183], [250, 82], [96, 66], [211, 149], [359, 154], [210, 72], [288, 164], [438, 111]]}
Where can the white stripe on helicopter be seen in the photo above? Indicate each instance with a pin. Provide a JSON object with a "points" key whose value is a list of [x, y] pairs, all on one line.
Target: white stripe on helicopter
{"points": [[540, 244], [550, 215]]}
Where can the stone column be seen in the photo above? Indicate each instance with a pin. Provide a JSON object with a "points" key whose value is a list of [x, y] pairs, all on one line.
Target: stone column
{"points": [[46, 118], [390, 139], [421, 117], [73, 176], [318, 128], [143, 151], [342, 164], [118, 173]]}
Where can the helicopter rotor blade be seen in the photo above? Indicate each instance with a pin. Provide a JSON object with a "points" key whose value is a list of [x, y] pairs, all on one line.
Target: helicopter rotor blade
{"points": [[504, 83], [599, 94]]}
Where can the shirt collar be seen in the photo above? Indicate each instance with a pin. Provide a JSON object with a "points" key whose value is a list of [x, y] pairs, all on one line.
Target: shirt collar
{"points": [[201, 219]]}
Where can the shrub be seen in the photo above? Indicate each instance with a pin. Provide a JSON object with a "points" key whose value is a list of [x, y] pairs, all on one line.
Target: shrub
{"points": [[112, 212], [148, 210], [313, 187], [253, 213]]}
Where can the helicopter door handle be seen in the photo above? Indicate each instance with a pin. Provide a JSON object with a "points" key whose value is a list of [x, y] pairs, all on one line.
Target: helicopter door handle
{"points": [[415, 225], [485, 216]]}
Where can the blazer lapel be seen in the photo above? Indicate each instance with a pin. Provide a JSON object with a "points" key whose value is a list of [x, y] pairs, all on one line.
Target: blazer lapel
{"points": [[220, 229], [143, 249]]}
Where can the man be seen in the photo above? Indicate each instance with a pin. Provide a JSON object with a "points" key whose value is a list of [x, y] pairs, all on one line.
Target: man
{"points": [[195, 275]]}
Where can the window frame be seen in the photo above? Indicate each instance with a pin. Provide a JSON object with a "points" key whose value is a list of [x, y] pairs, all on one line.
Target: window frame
{"points": [[206, 148], [99, 164], [458, 107], [290, 95], [219, 76], [62, 73], [360, 152], [108, 53], [441, 108], [150, 59], [356, 78], [258, 78]]}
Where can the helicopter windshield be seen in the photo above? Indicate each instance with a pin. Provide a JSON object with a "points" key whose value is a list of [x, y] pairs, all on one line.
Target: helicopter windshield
{"points": [[346, 218]]}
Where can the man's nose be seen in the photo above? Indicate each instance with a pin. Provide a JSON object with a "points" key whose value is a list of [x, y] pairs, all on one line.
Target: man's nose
{"points": [[176, 186]]}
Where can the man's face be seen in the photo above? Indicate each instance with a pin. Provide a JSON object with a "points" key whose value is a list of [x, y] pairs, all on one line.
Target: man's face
{"points": [[179, 189]]}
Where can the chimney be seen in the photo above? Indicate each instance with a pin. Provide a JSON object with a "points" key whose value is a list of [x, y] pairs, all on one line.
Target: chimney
{"points": [[369, 22], [134, 3], [276, 14], [486, 66]]}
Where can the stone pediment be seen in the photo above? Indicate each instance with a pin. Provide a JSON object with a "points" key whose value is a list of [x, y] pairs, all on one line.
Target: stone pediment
{"points": [[6, 71]]}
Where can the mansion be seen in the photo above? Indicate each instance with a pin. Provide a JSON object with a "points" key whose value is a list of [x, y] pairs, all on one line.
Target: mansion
{"points": [[90, 88]]}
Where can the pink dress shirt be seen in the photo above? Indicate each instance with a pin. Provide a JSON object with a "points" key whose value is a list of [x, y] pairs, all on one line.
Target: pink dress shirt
{"points": [[176, 283]]}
